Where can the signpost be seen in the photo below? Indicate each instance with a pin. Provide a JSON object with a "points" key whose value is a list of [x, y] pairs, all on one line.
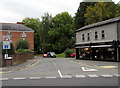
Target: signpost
{"points": [[6, 45]]}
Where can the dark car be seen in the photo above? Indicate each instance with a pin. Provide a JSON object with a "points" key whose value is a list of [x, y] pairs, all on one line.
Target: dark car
{"points": [[51, 54]]}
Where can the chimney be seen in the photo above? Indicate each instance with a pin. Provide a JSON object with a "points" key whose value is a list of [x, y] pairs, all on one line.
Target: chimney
{"points": [[20, 23]]}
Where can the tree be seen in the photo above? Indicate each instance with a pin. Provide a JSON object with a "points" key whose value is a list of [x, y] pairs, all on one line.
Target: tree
{"points": [[44, 36], [34, 23], [61, 32], [79, 16], [101, 11]]}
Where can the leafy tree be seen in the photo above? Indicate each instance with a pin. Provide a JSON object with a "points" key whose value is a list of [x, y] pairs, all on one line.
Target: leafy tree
{"points": [[101, 11], [34, 23], [61, 32], [44, 36], [79, 16]]}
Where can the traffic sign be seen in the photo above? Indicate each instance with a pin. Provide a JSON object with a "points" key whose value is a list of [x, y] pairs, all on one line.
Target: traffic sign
{"points": [[6, 38], [6, 45]]}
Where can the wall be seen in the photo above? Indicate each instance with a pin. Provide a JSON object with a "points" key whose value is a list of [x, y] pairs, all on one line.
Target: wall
{"points": [[18, 35], [118, 29], [17, 59], [110, 34]]}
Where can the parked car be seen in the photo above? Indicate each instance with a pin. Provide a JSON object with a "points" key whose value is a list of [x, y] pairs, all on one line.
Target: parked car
{"points": [[51, 54], [73, 55], [45, 55]]}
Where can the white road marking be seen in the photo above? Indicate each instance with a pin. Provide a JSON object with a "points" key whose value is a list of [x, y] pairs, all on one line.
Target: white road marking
{"points": [[80, 76], [93, 75], [66, 76], [1, 79], [88, 69], [106, 75], [60, 74], [50, 77], [18, 78], [34, 77]]}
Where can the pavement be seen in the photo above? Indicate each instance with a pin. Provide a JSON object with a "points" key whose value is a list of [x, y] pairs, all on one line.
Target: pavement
{"points": [[22, 66]]}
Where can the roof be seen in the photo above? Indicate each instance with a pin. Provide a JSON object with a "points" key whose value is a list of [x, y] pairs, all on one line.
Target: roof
{"points": [[113, 20], [14, 27]]}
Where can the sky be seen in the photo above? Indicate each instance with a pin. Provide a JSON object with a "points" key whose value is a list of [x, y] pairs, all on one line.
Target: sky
{"points": [[12, 11]]}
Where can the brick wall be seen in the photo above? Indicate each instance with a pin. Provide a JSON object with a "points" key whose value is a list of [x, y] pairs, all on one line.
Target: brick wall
{"points": [[18, 35], [17, 59]]}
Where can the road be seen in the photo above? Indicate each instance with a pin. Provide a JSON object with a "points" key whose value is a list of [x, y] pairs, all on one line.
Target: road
{"points": [[64, 72]]}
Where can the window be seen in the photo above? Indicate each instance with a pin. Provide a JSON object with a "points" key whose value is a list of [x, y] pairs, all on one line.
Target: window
{"points": [[103, 34], [96, 36], [23, 34], [88, 36], [83, 37]]}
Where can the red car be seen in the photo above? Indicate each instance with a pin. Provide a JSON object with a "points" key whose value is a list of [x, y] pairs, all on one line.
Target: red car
{"points": [[45, 55], [73, 55]]}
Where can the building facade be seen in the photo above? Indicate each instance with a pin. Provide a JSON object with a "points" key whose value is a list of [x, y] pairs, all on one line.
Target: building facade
{"points": [[17, 32], [99, 41]]}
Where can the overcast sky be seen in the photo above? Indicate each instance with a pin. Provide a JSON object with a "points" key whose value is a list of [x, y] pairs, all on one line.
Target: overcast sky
{"points": [[12, 11]]}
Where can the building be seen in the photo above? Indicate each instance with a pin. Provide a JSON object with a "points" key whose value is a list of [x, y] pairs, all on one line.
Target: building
{"points": [[16, 32], [99, 41]]}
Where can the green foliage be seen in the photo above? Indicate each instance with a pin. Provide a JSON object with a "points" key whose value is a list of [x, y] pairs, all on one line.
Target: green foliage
{"points": [[52, 34], [44, 36], [79, 16], [9, 51], [101, 11], [61, 32], [24, 51], [22, 44], [60, 55], [68, 52], [34, 23]]}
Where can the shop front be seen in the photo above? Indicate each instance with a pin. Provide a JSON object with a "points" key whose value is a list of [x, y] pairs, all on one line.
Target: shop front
{"points": [[104, 52]]}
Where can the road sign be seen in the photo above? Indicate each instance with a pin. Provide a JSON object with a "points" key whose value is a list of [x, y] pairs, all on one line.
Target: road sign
{"points": [[6, 42], [6, 38], [6, 45]]}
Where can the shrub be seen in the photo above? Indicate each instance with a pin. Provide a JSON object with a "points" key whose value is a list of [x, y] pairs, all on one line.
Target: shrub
{"points": [[22, 44], [68, 52], [23, 51]]}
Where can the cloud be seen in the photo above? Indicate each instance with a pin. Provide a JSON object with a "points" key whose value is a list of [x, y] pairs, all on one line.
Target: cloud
{"points": [[16, 10]]}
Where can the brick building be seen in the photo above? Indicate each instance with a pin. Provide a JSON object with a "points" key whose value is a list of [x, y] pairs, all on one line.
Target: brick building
{"points": [[17, 32]]}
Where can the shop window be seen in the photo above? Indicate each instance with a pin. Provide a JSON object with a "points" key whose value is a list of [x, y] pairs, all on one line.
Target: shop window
{"points": [[103, 34], [88, 36], [83, 37], [96, 35]]}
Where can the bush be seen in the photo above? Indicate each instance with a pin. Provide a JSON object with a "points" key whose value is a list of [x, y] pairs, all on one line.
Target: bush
{"points": [[61, 55], [68, 52], [24, 51], [22, 44]]}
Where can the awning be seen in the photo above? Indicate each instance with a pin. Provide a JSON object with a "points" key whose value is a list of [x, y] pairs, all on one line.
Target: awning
{"points": [[82, 47], [101, 46]]}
